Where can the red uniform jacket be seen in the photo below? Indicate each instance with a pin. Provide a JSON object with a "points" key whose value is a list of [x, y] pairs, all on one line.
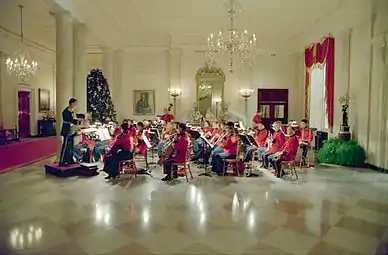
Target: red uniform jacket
{"points": [[180, 149], [290, 148], [257, 118], [141, 147], [132, 131], [278, 141], [261, 137], [230, 145], [167, 117], [85, 140], [207, 132], [306, 136], [123, 142]]}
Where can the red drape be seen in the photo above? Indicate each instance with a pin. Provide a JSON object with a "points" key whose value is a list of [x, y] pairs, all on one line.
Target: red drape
{"points": [[321, 53]]}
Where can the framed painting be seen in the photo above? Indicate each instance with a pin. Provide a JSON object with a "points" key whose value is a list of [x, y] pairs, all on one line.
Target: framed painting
{"points": [[44, 100], [144, 102]]}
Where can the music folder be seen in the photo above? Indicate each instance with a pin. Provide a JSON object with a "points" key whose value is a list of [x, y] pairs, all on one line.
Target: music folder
{"points": [[146, 141], [207, 141], [244, 139], [252, 140], [155, 132]]}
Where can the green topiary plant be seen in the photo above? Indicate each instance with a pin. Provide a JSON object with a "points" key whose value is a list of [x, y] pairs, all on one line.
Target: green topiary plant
{"points": [[344, 153]]}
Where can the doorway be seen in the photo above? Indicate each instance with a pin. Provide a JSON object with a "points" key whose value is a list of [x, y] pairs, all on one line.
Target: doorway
{"points": [[273, 105], [24, 113]]}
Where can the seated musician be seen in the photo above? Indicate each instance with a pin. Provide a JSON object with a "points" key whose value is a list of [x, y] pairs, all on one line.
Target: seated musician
{"points": [[121, 150], [286, 153], [179, 155], [229, 149], [261, 141], [217, 148], [278, 139], [306, 136], [167, 133], [207, 133], [141, 146]]}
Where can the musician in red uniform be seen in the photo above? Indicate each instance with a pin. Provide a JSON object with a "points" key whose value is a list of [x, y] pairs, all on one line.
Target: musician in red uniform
{"points": [[179, 155], [229, 150], [261, 141], [121, 150], [278, 139], [305, 138], [141, 146], [168, 116], [256, 118], [286, 153]]}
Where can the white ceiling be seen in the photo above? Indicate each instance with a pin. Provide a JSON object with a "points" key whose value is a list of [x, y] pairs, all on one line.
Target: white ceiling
{"points": [[280, 25]]}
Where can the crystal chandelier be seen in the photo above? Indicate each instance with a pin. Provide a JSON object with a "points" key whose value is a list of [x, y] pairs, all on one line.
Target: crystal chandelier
{"points": [[234, 44], [20, 64]]}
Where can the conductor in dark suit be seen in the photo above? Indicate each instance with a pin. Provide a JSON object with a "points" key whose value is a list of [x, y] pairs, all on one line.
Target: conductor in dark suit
{"points": [[69, 119]]}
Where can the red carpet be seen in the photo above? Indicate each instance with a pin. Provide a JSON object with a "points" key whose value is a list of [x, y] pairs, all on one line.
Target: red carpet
{"points": [[26, 152]]}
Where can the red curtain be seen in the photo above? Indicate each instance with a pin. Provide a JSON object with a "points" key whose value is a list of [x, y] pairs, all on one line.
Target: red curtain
{"points": [[321, 53]]}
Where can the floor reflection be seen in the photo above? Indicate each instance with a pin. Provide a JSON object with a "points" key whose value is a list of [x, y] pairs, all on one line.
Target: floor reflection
{"points": [[328, 211]]}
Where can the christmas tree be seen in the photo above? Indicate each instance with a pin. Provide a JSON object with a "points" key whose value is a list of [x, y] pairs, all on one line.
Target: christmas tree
{"points": [[100, 103]]}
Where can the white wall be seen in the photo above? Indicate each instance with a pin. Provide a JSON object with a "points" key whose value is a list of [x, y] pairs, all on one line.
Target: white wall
{"points": [[361, 73], [9, 86], [151, 68]]}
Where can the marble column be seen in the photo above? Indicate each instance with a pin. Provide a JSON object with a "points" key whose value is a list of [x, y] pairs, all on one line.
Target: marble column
{"points": [[107, 63], [2, 66], [64, 67], [115, 84], [79, 60]]}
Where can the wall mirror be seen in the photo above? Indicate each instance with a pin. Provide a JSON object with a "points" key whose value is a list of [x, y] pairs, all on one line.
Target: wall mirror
{"points": [[210, 90]]}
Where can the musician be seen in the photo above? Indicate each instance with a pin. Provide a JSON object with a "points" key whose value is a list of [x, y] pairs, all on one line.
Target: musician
{"points": [[168, 116], [286, 153], [256, 119], [261, 141], [207, 133], [69, 119], [305, 138], [179, 155], [278, 139], [141, 146], [168, 132], [229, 149], [218, 148], [121, 150]]}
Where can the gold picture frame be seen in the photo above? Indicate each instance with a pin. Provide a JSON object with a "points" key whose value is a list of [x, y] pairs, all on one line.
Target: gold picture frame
{"points": [[44, 100], [144, 102]]}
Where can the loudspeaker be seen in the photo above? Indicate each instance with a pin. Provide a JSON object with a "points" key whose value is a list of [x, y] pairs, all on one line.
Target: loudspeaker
{"points": [[320, 138]]}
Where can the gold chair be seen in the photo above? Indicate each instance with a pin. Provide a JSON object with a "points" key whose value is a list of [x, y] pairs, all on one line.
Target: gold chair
{"points": [[185, 165], [233, 164], [128, 167]]}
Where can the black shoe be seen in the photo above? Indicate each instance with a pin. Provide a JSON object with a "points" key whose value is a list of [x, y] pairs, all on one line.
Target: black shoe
{"points": [[175, 175], [108, 177], [166, 178]]}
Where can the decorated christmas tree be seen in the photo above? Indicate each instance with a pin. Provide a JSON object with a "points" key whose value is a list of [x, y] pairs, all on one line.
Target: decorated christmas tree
{"points": [[100, 103]]}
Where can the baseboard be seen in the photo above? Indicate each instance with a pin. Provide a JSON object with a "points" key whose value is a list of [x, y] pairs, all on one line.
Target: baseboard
{"points": [[377, 168]]}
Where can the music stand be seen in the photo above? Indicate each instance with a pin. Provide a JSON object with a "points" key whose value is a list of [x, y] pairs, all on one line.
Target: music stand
{"points": [[252, 142], [211, 146], [154, 138]]}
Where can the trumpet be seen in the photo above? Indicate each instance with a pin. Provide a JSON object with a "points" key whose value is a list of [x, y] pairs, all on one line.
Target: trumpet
{"points": [[221, 139]]}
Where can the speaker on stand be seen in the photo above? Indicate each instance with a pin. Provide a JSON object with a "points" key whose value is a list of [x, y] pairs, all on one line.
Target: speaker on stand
{"points": [[320, 138]]}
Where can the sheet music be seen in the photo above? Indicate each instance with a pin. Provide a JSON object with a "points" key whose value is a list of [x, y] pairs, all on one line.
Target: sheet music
{"points": [[106, 134], [241, 125], [145, 139]]}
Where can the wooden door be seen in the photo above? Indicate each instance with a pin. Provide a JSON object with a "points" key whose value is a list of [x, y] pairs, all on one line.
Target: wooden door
{"points": [[273, 105], [24, 113]]}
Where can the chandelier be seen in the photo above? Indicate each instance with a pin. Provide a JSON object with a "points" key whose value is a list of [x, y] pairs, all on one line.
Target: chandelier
{"points": [[20, 64], [234, 45]]}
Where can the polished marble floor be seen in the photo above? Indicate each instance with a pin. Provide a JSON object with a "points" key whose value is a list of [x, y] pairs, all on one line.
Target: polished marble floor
{"points": [[327, 211]]}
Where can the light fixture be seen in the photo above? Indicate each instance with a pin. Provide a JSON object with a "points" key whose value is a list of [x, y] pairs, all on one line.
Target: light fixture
{"points": [[217, 101], [246, 94], [174, 93], [20, 64], [233, 44]]}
